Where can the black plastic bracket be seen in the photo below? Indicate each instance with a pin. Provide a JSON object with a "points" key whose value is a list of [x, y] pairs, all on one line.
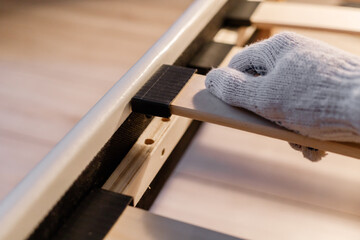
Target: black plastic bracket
{"points": [[94, 217], [155, 96], [240, 13]]}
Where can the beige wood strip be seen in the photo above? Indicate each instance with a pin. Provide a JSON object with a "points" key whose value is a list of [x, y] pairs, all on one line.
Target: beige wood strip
{"points": [[309, 16], [195, 102], [135, 224], [345, 41]]}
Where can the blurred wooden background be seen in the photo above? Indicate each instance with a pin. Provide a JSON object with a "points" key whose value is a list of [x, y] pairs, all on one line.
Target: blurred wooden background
{"points": [[57, 59]]}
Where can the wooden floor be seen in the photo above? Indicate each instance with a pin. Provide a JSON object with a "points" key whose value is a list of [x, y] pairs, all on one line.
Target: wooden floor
{"points": [[57, 59]]}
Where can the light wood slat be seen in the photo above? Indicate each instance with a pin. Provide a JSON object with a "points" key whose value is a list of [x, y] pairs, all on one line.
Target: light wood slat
{"points": [[195, 102], [345, 41], [227, 35], [309, 16], [135, 224]]}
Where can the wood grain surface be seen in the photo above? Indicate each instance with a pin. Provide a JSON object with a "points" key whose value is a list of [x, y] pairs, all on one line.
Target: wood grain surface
{"points": [[57, 59], [307, 16]]}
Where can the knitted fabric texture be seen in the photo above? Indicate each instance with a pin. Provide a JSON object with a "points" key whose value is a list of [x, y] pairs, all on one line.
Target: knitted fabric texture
{"points": [[301, 84]]}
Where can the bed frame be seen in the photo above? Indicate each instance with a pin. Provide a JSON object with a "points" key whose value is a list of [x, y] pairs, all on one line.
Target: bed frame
{"points": [[105, 173]]}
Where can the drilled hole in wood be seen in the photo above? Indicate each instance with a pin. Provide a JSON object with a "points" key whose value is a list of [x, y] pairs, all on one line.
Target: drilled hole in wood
{"points": [[149, 141], [165, 119], [163, 152]]}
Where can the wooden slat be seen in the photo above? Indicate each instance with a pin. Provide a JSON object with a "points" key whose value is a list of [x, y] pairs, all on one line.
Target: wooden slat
{"points": [[195, 102], [135, 224], [345, 41], [308, 16]]}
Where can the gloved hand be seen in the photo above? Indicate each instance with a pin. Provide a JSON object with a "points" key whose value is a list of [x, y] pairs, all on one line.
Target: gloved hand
{"points": [[301, 84]]}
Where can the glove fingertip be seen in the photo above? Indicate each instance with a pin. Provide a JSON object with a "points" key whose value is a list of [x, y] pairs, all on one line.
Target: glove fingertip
{"points": [[312, 154], [214, 81]]}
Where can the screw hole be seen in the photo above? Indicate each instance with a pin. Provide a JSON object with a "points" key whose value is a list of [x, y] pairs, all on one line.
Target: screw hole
{"points": [[165, 119], [163, 152], [149, 141]]}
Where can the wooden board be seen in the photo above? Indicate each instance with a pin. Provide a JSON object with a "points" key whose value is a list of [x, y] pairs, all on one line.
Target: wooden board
{"points": [[136, 224], [195, 102], [308, 16], [345, 41]]}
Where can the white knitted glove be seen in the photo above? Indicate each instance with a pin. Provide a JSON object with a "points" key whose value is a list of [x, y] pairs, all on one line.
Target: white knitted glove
{"points": [[301, 84]]}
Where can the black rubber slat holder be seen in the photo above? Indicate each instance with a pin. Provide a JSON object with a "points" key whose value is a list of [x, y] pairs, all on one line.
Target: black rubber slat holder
{"points": [[94, 217], [240, 13], [210, 56], [155, 96]]}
